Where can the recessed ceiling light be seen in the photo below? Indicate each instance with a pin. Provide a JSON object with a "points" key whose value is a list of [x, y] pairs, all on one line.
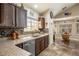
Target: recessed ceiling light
{"points": [[35, 6]]}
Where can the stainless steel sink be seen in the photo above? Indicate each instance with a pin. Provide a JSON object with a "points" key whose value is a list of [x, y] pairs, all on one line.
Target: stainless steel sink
{"points": [[29, 37], [35, 35]]}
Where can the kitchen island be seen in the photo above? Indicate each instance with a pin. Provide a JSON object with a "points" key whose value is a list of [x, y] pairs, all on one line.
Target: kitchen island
{"points": [[8, 47]]}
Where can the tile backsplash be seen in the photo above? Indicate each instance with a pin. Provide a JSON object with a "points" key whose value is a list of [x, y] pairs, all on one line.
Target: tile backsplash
{"points": [[6, 31]]}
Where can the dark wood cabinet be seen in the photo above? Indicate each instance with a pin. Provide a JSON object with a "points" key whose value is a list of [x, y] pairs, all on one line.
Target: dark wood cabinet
{"points": [[21, 17], [12, 16], [0, 14], [41, 44], [46, 41], [37, 46], [41, 23], [7, 15]]}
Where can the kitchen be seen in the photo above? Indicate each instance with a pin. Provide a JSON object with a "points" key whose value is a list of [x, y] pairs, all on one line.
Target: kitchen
{"points": [[26, 32], [19, 33]]}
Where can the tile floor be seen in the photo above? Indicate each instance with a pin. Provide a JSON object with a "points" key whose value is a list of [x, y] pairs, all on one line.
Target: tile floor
{"points": [[59, 49]]}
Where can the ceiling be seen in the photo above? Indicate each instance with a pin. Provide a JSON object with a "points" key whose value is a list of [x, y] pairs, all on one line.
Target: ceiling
{"points": [[56, 7]]}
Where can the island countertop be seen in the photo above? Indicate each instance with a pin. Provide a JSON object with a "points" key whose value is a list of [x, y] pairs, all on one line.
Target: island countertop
{"points": [[9, 48]]}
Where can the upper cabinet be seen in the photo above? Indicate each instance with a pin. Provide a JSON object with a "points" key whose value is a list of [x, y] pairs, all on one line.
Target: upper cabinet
{"points": [[12, 16], [21, 17], [0, 14], [7, 15], [41, 23]]}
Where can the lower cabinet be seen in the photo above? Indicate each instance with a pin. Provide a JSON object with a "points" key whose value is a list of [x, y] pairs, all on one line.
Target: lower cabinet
{"points": [[35, 46], [46, 41], [42, 47], [41, 44]]}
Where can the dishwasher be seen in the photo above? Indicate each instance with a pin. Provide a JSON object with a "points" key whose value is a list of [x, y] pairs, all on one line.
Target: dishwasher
{"points": [[29, 46]]}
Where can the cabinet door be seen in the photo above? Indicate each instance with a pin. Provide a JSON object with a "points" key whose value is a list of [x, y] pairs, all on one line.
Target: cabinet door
{"points": [[42, 44], [46, 41], [41, 23], [24, 18], [37, 46], [0, 13], [7, 14], [21, 17]]}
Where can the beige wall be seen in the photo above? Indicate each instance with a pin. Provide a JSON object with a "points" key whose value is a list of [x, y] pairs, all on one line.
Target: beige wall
{"points": [[74, 11]]}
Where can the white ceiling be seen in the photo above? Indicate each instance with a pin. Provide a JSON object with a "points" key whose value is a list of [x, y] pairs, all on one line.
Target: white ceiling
{"points": [[56, 7]]}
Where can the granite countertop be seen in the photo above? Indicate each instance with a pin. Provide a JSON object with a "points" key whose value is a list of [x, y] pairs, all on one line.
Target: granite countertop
{"points": [[25, 38], [8, 48]]}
